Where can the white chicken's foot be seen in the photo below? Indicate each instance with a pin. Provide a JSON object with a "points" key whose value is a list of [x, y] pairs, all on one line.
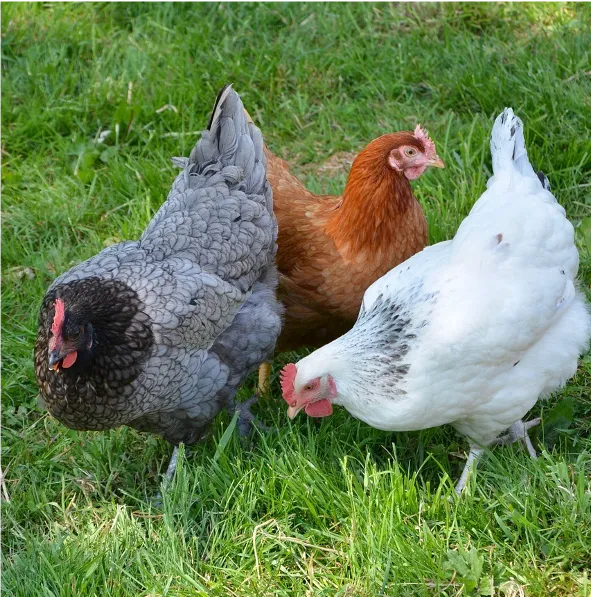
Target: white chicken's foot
{"points": [[473, 457], [518, 432]]}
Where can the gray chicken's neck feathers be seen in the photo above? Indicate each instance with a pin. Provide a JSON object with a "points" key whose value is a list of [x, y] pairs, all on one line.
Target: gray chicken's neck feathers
{"points": [[122, 341]]}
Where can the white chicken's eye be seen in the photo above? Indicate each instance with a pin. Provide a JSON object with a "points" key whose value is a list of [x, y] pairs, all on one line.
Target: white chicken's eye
{"points": [[308, 387], [410, 152]]}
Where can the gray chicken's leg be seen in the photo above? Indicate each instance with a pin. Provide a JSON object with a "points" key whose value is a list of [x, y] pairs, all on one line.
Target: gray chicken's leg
{"points": [[169, 474], [473, 457], [518, 432], [246, 419]]}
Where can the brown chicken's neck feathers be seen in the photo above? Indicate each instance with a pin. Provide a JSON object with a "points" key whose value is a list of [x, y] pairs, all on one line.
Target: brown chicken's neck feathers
{"points": [[375, 198]]}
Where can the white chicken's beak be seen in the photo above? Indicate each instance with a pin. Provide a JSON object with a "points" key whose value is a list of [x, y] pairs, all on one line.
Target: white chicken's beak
{"points": [[292, 411]]}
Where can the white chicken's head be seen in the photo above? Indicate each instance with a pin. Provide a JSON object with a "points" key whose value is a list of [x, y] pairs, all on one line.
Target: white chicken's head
{"points": [[310, 390]]}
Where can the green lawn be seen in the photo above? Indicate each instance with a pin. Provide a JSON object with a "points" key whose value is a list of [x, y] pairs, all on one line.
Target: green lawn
{"points": [[328, 507]]}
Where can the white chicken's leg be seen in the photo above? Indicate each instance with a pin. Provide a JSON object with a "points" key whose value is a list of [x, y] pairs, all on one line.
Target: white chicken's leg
{"points": [[518, 432], [473, 457]]}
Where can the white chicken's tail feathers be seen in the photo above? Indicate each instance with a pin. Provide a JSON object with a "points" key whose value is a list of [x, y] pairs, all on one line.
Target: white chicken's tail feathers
{"points": [[507, 146], [232, 140]]}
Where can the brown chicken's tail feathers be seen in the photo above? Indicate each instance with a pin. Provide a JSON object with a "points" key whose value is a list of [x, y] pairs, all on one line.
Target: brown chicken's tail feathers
{"points": [[248, 118]]}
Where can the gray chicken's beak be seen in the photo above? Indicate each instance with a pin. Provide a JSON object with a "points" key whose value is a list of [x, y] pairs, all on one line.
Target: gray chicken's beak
{"points": [[292, 411], [55, 356], [436, 162]]}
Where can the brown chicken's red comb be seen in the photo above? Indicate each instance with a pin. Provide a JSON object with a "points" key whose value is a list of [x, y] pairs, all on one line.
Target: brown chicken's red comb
{"points": [[423, 136], [58, 318], [288, 375]]}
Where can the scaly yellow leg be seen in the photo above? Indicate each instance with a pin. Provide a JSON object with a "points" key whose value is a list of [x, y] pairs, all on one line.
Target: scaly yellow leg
{"points": [[265, 377]]}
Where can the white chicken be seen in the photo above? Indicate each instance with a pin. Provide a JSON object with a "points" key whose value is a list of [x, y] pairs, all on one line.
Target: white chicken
{"points": [[469, 332]]}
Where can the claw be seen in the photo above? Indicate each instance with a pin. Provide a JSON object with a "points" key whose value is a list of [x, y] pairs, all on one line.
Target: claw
{"points": [[518, 432]]}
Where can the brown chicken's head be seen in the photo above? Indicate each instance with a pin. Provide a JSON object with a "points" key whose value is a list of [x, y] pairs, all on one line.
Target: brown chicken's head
{"points": [[412, 153], [312, 395], [69, 335]]}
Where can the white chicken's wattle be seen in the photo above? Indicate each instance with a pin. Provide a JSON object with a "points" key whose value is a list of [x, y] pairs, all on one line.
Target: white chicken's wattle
{"points": [[469, 332]]}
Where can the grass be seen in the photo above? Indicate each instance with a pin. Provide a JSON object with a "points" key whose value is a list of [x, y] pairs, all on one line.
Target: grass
{"points": [[328, 507]]}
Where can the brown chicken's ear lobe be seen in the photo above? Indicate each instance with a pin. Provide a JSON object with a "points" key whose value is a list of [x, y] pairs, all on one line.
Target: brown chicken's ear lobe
{"points": [[394, 162]]}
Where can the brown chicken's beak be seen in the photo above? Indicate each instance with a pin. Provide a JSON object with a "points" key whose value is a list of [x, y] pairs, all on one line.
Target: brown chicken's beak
{"points": [[436, 162], [292, 411]]}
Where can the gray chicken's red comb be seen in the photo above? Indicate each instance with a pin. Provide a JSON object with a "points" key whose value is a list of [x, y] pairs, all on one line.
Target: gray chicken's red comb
{"points": [[287, 376], [58, 318]]}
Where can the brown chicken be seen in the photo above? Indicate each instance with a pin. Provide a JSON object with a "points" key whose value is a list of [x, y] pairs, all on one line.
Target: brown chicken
{"points": [[332, 248]]}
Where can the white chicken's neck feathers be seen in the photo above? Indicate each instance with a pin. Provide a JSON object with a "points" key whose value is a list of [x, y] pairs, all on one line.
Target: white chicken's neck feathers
{"points": [[385, 336], [377, 349]]}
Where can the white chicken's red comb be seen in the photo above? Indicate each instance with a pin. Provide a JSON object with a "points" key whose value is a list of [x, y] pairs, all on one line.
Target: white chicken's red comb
{"points": [[423, 136], [287, 376], [58, 318]]}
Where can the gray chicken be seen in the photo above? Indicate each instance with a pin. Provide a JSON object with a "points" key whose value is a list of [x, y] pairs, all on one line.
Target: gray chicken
{"points": [[160, 333]]}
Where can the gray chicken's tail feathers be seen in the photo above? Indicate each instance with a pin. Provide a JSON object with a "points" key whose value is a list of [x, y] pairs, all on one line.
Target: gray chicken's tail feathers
{"points": [[219, 100], [235, 142], [507, 146]]}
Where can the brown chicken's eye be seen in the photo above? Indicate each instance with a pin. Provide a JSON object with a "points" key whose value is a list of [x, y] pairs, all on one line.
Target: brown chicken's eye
{"points": [[410, 152]]}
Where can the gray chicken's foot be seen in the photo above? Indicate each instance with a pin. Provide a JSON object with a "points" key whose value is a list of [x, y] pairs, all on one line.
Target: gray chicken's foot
{"points": [[246, 419], [518, 433], [475, 454]]}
